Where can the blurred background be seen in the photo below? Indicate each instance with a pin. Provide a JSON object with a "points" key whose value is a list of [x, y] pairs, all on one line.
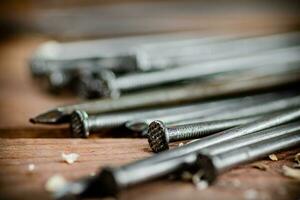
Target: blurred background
{"points": [[77, 19], [24, 25]]}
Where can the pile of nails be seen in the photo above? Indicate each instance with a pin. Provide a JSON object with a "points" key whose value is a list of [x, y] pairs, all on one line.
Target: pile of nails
{"points": [[231, 99]]}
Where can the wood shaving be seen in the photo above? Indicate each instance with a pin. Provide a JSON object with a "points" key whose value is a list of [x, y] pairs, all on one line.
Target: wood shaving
{"points": [[93, 174], [297, 158], [31, 168], [55, 183], [201, 185], [290, 172], [198, 181], [251, 194], [273, 157], [260, 166], [70, 158], [296, 165], [236, 183]]}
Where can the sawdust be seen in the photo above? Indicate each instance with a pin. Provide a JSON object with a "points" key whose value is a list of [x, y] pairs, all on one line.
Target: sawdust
{"points": [[55, 182], [70, 158], [273, 157], [291, 172]]}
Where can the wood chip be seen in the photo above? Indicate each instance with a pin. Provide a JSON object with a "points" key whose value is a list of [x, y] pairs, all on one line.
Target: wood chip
{"points": [[297, 158], [201, 185], [198, 181], [290, 172], [260, 166], [236, 183], [273, 157], [251, 194], [55, 183], [180, 144], [93, 174], [70, 158], [31, 168]]}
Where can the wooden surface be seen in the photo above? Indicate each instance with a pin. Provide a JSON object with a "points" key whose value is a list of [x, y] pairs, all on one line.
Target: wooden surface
{"points": [[22, 144]]}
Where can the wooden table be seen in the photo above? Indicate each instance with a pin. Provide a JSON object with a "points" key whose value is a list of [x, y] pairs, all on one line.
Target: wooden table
{"points": [[22, 144]]}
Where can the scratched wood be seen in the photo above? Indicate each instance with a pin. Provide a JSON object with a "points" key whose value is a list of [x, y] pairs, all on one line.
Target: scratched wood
{"points": [[22, 143], [17, 183]]}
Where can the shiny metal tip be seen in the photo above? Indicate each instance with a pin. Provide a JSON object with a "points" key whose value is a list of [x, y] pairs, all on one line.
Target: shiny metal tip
{"points": [[51, 117]]}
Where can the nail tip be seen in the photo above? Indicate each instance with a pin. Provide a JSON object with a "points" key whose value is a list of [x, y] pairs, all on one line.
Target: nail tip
{"points": [[32, 120], [50, 117]]}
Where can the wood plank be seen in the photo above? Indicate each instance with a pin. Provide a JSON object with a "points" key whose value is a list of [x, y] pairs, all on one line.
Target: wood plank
{"points": [[17, 183]]}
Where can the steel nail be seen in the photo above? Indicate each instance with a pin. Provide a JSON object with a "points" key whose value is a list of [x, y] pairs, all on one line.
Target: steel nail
{"points": [[257, 125], [82, 125], [111, 180], [160, 140], [266, 106], [132, 82], [212, 165], [169, 96]]}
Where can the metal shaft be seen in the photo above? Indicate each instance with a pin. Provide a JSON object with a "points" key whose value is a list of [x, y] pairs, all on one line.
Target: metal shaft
{"points": [[82, 124], [141, 125], [215, 164], [159, 140], [116, 54], [245, 140], [179, 55], [111, 180], [135, 173], [192, 131], [167, 96], [282, 57], [258, 125]]}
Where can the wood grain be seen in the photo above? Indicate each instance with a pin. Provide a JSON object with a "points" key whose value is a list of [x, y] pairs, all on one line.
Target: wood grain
{"points": [[22, 144], [17, 183]]}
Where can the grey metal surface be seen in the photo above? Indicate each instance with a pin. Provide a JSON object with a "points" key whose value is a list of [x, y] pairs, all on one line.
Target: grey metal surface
{"points": [[258, 125], [168, 96], [215, 164], [82, 124], [141, 125], [111, 180], [189, 131], [279, 57], [173, 54], [159, 135]]}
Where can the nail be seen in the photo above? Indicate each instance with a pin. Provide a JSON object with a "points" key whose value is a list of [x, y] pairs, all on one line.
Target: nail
{"points": [[82, 125], [216, 164], [255, 126], [163, 135], [133, 82], [153, 55], [289, 128], [116, 54], [169, 96], [188, 129], [111, 180], [50, 56]]}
